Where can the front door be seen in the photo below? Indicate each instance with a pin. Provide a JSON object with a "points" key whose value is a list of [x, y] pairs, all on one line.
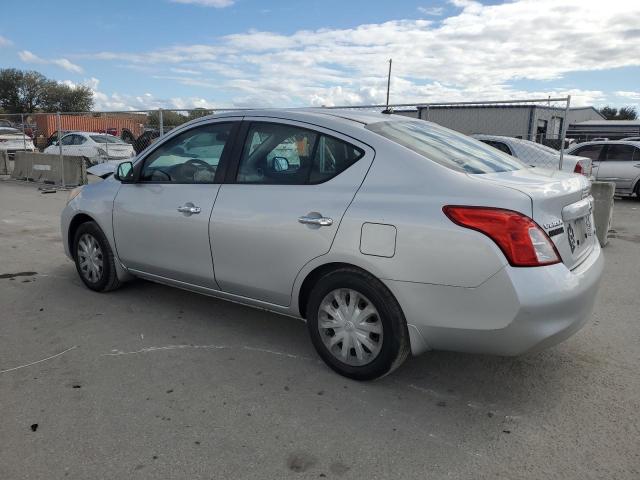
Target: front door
{"points": [[161, 222], [283, 206]]}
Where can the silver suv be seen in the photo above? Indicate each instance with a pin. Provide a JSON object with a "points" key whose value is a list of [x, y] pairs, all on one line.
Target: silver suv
{"points": [[614, 161]]}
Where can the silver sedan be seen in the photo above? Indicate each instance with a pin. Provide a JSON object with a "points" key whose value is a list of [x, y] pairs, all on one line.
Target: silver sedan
{"points": [[388, 235]]}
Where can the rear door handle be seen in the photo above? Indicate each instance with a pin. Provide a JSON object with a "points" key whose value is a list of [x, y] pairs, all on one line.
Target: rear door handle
{"points": [[637, 165], [320, 221], [189, 209]]}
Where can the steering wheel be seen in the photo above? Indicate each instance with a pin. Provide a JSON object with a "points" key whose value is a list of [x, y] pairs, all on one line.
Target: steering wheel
{"points": [[188, 170], [196, 162]]}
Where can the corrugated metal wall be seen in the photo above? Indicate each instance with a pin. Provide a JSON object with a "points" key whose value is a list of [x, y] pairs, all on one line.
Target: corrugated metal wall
{"points": [[46, 123]]}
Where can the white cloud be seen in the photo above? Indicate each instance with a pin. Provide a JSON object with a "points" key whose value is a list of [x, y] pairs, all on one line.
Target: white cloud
{"points": [[208, 3], [476, 54], [28, 57], [5, 42], [431, 11], [629, 95]]}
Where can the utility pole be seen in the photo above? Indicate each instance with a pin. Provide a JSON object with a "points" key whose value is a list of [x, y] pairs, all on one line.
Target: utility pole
{"points": [[389, 82]]}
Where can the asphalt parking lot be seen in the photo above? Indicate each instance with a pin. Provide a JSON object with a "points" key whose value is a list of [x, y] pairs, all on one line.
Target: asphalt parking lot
{"points": [[155, 382]]}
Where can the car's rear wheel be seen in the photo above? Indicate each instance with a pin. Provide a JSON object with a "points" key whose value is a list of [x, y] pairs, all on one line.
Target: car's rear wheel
{"points": [[356, 324], [94, 258]]}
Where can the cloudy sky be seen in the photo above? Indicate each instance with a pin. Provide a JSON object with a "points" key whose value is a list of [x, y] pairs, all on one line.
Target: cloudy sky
{"points": [[206, 53]]}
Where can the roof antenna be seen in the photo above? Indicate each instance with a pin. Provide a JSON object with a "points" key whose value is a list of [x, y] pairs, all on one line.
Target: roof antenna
{"points": [[388, 110]]}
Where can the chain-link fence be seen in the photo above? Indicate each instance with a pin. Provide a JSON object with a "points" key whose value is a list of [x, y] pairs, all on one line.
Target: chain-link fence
{"points": [[532, 130]]}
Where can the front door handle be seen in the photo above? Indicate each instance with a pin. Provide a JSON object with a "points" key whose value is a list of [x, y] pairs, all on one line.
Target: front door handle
{"points": [[637, 165], [189, 209], [320, 221]]}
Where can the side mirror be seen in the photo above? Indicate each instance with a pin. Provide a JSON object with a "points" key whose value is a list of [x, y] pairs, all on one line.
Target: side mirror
{"points": [[279, 164], [124, 172]]}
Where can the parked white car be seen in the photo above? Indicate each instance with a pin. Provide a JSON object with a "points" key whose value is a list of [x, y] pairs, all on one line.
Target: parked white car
{"points": [[536, 154], [96, 147], [13, 140]]}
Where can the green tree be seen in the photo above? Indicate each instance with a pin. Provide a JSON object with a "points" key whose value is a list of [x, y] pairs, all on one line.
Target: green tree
{"points": [[199, 112], [30, 91], [170, 119], [624, 113]]}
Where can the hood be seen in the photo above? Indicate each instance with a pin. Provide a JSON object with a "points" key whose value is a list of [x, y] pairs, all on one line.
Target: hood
{"points": [[105, 169]]}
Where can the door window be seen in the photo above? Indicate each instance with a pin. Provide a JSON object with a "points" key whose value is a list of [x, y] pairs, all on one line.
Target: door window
{"points": [[190, 157], [78, 139], [619, 153], [285, 154], [589, 151], [67, 140], [332, 157]]}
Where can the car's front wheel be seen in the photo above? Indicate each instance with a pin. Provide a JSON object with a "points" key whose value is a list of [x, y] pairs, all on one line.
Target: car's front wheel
{"points": [[94, 258], [356, 324]]}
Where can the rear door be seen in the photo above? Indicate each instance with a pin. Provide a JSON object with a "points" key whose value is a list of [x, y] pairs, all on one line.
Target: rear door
{"points": [[161, 223], [620, 165], [282, 205]]}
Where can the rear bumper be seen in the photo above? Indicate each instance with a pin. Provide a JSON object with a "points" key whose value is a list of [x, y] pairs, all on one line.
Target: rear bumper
{"points": [[518, 310]]}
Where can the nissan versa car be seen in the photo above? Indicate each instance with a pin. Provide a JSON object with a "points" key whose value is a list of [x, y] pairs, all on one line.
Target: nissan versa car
{"points": [[388, 235]]}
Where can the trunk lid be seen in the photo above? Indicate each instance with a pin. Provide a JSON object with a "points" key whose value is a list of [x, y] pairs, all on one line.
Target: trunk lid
{"points": [[561, 204]]}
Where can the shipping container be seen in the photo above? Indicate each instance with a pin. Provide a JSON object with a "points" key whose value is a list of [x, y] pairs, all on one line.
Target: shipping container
{"points": [[46, 124]]}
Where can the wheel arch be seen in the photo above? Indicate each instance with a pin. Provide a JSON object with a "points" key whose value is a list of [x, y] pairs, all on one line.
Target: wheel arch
{"points": [[75, 223], [314, 275]]}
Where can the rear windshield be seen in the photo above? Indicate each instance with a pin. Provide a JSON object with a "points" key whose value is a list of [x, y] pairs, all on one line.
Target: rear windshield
{"points": [[105, 139], [446, 147]]}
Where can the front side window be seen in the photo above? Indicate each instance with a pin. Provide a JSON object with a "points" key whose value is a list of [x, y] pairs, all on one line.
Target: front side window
{"points": [[589, 151], [190, 157], [446, 147], [67, 140], [285, 154], [619, 153]]}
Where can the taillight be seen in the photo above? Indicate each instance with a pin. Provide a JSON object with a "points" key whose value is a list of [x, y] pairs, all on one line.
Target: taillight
{"points": [[579, 169], [521, 240]]}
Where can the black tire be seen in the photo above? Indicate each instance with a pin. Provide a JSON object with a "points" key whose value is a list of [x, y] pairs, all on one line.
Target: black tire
{"points": [[395, 341], [108, 279]]}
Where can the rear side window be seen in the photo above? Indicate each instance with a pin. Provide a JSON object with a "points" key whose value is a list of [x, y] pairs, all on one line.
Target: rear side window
{"points": [[332, 157], [589, 151], [446, 147], [285, 154], [619, 153]]}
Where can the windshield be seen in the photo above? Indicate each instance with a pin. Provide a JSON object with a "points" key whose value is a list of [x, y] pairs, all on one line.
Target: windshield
{"points": [[105, 139], [447, 147]]}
